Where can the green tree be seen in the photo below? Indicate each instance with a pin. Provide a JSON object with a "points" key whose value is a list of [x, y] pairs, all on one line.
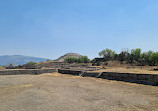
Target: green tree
{"points": [[47, 60], [145, 56], [108, 54], [124, 55], [70, 59], [154, 58], [136, 53], [83, 59], [30, 65]]}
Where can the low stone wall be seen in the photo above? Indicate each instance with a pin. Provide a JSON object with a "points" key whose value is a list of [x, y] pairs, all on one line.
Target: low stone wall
{"points": [[70, 66], [72, 72], [91, 74], [27, 71], [147, 79]]}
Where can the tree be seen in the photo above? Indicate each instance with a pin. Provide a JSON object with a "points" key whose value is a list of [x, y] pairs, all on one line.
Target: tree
{"points": [[97, 61], [70, 59], [136, 53], [145, 56], [134, 56], [108, 54], [154, 58], [30, 65], [47, 60], [83, 59], [124, 55]]}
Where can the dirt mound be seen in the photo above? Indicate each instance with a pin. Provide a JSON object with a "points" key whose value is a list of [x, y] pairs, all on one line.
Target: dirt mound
{"points": [[115, 63], [61, 59], [2, 68]]}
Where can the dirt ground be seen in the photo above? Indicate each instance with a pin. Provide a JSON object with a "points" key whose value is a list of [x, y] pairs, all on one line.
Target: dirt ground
{"points": [[59, 92], [138, 70]]}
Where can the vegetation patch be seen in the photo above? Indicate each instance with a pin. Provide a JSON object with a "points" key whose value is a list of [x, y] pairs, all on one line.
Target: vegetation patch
{"points": [[135, 56], [82, 59]]}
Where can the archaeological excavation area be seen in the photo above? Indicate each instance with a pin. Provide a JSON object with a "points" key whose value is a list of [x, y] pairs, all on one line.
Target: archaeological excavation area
{"points": [[66, 87], [64, 92]]}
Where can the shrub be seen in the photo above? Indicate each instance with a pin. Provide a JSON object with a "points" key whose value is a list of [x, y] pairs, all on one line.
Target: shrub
{"points": [[30, 65], [82, 59], [70, 59]]}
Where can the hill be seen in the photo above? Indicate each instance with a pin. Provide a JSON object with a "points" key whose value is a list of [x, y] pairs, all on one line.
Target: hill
{"points": [[61, 59], [19, 59], [2, 68]]}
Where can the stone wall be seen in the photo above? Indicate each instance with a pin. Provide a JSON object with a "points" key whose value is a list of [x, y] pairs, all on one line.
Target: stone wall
{"points": [[148, 79], [27, 71], [64, 65], [72, 72]]}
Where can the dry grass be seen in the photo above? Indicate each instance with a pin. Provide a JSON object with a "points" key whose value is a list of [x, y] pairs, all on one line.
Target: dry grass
{"points": [[60, 92], [139, 70], [2, 68]]}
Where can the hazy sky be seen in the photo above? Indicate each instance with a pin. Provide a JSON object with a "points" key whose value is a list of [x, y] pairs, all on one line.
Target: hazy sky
{"points": [[51, 28]]}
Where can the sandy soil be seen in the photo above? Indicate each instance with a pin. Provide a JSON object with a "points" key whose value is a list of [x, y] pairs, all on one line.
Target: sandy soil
{"points": [[58, 92], [2, 68]]}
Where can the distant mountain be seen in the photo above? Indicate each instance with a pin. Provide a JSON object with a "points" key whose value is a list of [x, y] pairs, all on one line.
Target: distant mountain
{"points": [[61, 59], [19, 59]]}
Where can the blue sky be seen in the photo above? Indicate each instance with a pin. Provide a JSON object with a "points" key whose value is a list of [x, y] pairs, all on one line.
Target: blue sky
{"points": [[51, 28]]}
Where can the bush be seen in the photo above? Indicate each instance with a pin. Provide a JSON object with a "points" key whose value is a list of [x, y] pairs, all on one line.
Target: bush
{"points": [[82, 59], [30, 65], [70, 59]]}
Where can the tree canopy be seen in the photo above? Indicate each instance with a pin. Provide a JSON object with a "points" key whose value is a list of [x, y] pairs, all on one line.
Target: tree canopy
{"points": [[107, 54], [135, 55]]}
